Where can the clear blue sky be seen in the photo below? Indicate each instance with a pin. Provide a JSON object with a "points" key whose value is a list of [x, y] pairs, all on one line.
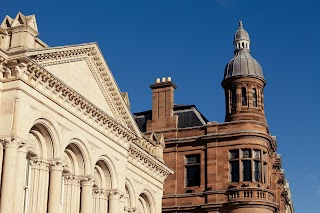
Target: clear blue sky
{"points": [[191, 40]]}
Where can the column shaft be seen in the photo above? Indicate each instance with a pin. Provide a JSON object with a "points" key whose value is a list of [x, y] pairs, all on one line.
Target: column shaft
{"points": [[114, 202], [20, 179], [55, 187], [86, 195], [8, 176]]}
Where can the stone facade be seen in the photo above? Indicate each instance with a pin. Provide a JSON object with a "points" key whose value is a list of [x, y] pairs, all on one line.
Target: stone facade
{"points": [[229, 167], [68, 142]]}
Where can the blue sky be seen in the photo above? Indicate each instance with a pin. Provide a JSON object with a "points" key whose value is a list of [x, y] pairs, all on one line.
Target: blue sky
{"points": [[191, 41]]}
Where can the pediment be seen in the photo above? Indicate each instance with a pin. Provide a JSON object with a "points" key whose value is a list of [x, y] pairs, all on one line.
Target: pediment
{"points": [[83, 68]]}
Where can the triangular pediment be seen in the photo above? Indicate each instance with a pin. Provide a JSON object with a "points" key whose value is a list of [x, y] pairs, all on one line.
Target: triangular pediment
{"points": [[83, 68]]}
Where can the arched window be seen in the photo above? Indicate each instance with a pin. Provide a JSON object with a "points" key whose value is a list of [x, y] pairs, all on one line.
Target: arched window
{"points": [[244, 96], [254, 97], [234, 97]]}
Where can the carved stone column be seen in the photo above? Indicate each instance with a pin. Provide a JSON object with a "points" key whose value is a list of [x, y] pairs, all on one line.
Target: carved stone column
{"points": [[71, 202], [9, 174], [39, 186], [86, 194], [114, 197], [21, 178], [100, 200], [1, 159], [121, 203], [56, 168]]}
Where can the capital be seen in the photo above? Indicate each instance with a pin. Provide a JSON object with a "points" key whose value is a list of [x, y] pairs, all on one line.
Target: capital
{"points": [[87, 181], [56, 165], [12, 142], [114, 195]]}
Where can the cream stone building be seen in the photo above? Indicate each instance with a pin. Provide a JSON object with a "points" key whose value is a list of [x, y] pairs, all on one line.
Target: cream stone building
{"points": [[68, 139]]}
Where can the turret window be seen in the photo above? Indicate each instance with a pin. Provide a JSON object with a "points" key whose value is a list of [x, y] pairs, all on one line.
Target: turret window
{"points": [[254, 97], [244, 97], [234, 97], [247, 165]]}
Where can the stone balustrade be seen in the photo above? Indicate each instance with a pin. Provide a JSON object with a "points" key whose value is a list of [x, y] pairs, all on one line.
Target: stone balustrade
{"points": [[250, 194]]}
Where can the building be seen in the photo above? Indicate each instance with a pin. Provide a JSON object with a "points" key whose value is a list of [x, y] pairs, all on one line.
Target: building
{"points": [[229, 167], [69, 143]]}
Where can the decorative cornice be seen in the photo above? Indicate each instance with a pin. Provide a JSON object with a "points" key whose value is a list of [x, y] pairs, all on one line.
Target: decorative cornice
{"points": [[154, 168], [37, 77], [102, 77]]}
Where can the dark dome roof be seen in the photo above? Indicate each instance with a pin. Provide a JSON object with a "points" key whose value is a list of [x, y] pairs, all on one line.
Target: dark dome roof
{"points": [[243, 64]]}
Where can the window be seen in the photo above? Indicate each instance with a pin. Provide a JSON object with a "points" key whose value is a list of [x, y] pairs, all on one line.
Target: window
{"points": [[248, 165], [192, 165], [254, 97], [234, 97], [244, 97]]}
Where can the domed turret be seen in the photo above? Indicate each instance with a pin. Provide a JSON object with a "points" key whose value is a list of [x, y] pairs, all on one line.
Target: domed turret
{"points": [[242, 64], [243, 82]]}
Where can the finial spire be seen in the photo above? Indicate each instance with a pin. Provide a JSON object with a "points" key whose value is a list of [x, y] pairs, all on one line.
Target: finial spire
{"points": [[240, 24], [241, 38]]}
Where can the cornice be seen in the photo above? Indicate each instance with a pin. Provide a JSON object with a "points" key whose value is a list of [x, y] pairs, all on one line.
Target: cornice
{"points": [[47, 84], [102, 75], [155, 168]]}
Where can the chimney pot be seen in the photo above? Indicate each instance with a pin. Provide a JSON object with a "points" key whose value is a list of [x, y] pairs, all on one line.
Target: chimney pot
{"points": [[169, 78], [164, 79], [158, 80]]}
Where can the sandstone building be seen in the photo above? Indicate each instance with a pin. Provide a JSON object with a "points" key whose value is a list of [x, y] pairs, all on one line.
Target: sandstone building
{"points": [[229, 167], [68, 142]]}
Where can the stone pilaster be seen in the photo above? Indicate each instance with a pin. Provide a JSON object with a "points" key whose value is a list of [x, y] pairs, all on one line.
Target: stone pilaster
{"points": [[114, 197], [121, 203], [56, 168], [100, 200], [9, 174], [86, 194], [21, 178], [71, 202], [39, 186]]}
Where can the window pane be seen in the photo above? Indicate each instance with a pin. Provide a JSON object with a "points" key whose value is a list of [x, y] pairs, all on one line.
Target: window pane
{"points": [[192, 159], [193, 175], [246, 153], [265, 173], [234, 97], [247, 170], [234, 169], [257, 154], [254, 97], [234, 154], [244, 97], [257, 171]]}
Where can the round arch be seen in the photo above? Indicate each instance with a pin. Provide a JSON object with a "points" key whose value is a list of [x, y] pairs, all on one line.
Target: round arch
{"points": [[146, 199], [109, 165], [45, 131], [130, 190], [51, 126], [74, 142]]}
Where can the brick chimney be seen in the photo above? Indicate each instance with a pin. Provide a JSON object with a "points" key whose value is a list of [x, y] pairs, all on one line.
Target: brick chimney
{"points": [[162, 105]]}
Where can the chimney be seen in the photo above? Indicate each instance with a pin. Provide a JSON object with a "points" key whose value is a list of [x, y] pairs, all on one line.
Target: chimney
{"points": [[162, 105]]}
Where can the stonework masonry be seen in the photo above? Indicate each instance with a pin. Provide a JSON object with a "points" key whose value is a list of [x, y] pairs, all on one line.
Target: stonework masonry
{"points": [[229, 167], [65, 148]]}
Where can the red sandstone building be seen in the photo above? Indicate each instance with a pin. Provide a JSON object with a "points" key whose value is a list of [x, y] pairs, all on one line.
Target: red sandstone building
{"points": [[229, 167]]}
